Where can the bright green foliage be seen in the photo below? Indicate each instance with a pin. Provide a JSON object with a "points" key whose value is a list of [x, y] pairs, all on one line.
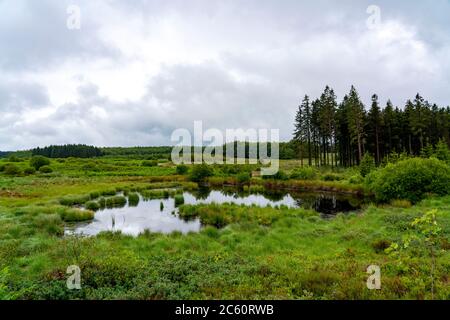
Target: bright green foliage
{"points": [[73, 215], [304, 173], [442, 151], [367, 164], [410, 179], [92, 205], [39, 161]]}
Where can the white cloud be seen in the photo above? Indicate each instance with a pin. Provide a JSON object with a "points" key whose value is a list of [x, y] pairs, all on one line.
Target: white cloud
{"points": [[136, 71]]}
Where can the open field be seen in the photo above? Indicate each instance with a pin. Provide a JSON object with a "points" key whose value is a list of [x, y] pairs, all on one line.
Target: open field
{"points": [[257, 253]]}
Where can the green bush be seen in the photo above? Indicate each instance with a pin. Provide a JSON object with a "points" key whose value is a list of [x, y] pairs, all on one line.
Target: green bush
{"points": [[149, 163], [332, 177], [280, 175], [410, 179], [45, 169], [303, 173], [243, 178], [182, 169], [367, 164], [12, 170], [201, 172], [39, 161], [29, 170]]}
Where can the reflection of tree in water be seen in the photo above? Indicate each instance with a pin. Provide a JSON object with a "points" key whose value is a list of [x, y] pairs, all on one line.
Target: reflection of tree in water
{"points": [[275, 195], [202, 193], [327, 203]]}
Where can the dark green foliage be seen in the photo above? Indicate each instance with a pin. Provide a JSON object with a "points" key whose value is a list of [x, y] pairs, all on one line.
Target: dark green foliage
{"points": [[179, 200], [410, 179], [367, 164], [243, 178], [11, 170], [280, 175], [39, 161], [200, 172], [45, 169], [66, 151], [133, 199], [29, 170], [182, 169], [149, 163]]}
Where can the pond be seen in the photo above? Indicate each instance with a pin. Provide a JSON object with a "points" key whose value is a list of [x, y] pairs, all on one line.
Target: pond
{"points": [[160, 215]]}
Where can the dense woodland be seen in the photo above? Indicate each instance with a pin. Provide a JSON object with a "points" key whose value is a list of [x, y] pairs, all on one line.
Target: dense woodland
{"points": [[332, 133], [68, 150]]}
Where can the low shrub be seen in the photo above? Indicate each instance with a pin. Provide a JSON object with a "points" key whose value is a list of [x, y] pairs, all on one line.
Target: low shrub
{"points": [[29, 171], [332, 177], [410, 179], [367, 164], [200, 172], [45, 169], [182, 169], [12, 170], [243, 178], [149, 163], [39, 161], [380, 245], [303, 173]]}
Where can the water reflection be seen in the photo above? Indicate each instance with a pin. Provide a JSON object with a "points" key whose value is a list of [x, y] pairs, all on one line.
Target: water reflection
{"points": [[160, 215]]}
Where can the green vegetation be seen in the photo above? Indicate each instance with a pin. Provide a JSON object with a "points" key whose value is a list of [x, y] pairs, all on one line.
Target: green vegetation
{"points": [[39, 161], [241, 252], [410, 179], [201, 172]]}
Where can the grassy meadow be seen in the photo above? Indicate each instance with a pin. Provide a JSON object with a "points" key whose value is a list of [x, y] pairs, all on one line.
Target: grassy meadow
{"points": [[256, 253]]}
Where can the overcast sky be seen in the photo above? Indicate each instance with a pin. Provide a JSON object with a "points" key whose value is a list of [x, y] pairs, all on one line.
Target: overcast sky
{"points": [[137, 70]]}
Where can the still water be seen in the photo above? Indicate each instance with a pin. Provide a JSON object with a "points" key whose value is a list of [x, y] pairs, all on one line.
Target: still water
{"points": [[151, 215]]}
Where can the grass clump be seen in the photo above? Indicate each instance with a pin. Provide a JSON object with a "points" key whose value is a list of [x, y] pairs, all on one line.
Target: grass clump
{"points": [[179, 200], [133, 199], [74, 215], [12, 170], [92, 205], [116, 202], [74, 200]]}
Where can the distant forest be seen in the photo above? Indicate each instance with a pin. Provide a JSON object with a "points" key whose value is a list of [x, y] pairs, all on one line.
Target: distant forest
{"points": [[332, 133], [68, 150]]}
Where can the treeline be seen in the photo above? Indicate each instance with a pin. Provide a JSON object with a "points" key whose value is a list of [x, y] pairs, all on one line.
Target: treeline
{"points": [[68, 150], [331, 133], [161, 152]]}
